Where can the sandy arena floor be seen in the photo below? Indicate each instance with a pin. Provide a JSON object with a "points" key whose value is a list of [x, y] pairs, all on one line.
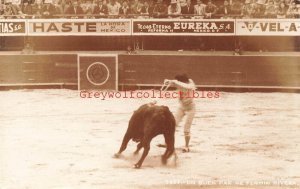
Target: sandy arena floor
{"points": [[53, 139]]}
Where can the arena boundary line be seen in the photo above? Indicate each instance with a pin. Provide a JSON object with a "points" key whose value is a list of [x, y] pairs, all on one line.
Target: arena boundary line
{"points": [[37, 86], [225, 88], [221, 86], [75, 86]]}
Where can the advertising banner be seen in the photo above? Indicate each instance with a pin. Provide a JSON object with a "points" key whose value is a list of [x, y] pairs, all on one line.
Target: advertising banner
{"points": [[150, 27], [269, 27], [79, 27], [13, 28], [183, 27]]}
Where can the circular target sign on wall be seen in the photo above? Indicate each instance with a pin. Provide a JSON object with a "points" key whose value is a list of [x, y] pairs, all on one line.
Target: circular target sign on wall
{"points": [[97, 72]]}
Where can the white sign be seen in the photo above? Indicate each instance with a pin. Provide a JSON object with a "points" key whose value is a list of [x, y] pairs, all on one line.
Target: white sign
{"points": [[269, 27], [79, 27]]}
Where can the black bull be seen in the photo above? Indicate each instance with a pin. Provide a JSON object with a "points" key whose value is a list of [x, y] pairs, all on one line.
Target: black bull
{"points": [[146, 123]]}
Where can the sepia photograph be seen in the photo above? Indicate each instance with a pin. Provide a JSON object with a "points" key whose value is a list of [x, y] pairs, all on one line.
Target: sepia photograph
{"points": [[143, 94]]}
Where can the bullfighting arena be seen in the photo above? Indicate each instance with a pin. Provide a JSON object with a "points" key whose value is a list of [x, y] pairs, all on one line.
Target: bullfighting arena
{"points": [[54, 139]]}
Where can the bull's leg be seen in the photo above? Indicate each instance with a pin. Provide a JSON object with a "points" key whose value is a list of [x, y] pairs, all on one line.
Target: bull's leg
{"points": [[170, 141], [146, 145], [165, 152], [166, 143], [124, 145], [138, 148]]}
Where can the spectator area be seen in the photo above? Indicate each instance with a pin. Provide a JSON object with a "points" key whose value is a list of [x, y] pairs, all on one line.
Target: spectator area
{"points": [[145, 9], [149, 9]]}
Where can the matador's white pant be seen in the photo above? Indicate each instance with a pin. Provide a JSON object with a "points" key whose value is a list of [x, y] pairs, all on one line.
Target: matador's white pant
{"points": [[181, 112]]}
